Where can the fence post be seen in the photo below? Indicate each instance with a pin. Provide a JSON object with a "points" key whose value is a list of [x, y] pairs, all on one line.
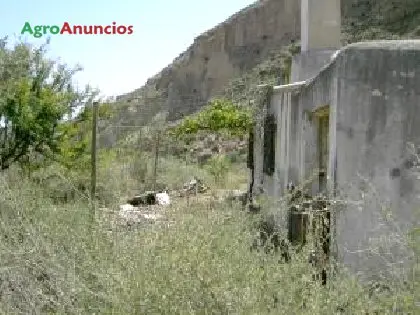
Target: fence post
{"points": [[157, 144], [93, 150]]}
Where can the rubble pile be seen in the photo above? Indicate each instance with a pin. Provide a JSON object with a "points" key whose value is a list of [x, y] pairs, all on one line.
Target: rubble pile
{"points": [[194, 186]]}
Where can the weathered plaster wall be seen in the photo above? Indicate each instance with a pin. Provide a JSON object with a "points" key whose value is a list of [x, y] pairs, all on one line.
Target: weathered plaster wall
{"points": [[321, 21], [373, 90], [281, 101], [378, 90], [296, 143], [308, 64], [320, 92]]}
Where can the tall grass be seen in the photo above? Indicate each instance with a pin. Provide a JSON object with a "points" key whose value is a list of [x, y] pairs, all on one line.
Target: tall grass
{"points": [[198, 261]]}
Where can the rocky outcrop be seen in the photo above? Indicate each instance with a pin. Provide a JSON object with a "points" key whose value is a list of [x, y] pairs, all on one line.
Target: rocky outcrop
{"points": [[224, 52]]}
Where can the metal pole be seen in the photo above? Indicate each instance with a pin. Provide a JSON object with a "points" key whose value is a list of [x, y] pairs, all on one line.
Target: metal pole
{"points": [[156, 159], [93, 150]]}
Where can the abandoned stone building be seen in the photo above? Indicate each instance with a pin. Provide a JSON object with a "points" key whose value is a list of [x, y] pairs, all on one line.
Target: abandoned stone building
{"points": [[348, 125]]}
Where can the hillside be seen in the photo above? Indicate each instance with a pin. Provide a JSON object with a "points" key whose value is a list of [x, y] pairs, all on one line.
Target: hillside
{"points": [[251, 47]]}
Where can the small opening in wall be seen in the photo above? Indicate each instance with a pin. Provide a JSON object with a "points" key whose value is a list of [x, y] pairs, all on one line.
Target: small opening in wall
{"points": [[323, 123], [395, 172], [250, 157], [270, 127]]}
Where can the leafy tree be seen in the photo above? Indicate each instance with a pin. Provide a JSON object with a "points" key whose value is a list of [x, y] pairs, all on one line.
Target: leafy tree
{"points": [[74, 149], [36, 96], [219, 116]]}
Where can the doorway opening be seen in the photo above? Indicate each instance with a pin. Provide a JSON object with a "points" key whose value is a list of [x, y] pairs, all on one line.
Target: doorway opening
{"points": [[323, 223], [323, 123]]}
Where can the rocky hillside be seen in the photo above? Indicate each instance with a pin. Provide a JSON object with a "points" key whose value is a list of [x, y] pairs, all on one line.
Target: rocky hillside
{"points": [[385, 19], [222, 53], [250, 47]]}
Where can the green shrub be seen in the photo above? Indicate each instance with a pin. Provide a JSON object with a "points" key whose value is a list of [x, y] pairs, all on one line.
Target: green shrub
{"points": [[219, 115], [218, 166]]}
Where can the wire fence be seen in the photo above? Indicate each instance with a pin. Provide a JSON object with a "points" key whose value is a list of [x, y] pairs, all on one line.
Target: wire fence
{"points": [[144, 156], [136, 156]]}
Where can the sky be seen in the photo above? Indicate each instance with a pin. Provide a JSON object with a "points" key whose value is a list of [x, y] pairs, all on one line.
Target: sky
{"points": [[117, 64]]}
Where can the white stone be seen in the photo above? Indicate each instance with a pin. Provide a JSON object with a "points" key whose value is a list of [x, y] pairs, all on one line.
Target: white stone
{"points": [[163, 199], [127, 207]]}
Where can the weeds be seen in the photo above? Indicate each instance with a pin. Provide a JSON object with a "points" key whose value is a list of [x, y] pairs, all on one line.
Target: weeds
{"points": [[53, 262]]}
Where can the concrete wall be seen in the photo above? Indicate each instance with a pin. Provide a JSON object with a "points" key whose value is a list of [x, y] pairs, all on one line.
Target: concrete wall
{"points": [[320, 24], [373, 90], [296, 144], [281, 101], [378, 90], [308, 64], [269, 180], [320, 92]]}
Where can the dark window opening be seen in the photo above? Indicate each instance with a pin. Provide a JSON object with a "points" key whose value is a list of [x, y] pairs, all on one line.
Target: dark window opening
{"points": [[250, 159], [323, 146], [395, 172], [269, 144]]}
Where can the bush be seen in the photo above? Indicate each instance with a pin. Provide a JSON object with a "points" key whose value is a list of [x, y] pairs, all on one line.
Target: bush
{"points": [[218, 166], [219, 115]]}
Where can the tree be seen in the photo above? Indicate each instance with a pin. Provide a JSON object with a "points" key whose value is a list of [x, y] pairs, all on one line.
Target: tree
{"points": [[36, 96], [76, 137], [218, 116]]}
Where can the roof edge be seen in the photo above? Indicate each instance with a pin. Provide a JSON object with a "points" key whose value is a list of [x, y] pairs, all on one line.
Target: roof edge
{"points": [[410, 44]]}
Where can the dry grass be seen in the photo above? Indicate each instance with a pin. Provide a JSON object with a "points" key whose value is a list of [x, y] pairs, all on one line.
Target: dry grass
{"points": [[53, 261]]}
